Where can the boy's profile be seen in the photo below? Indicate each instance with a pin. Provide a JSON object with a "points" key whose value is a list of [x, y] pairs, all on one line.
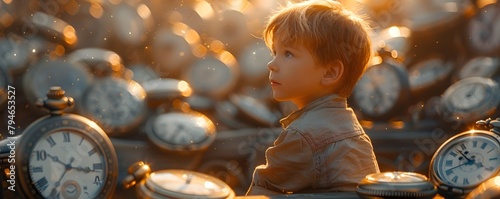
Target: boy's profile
{"points": [[320, 51]]}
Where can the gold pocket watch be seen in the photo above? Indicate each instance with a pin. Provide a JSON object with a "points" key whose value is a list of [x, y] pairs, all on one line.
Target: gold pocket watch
{"points": [[466, 160], [114, 100], [175, 183], [396, 184], [65, 155]]}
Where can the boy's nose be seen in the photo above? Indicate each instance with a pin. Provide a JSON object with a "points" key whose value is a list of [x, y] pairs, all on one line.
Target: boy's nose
{"points": [[272, 66]]}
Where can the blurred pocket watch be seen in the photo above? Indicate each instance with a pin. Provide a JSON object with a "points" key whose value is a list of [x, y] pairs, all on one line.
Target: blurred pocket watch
{"points": [[431, 17], [470, 99], [254, 111], [130, 21], [65, 155], [214, 75], [466, 160], [114, 100], [486, 67], [484, 30], [429, 77], [173, 183], [174, 48], [15, 54], [253, 62], [396, 184], [175, 127], [230, 27], [142, 73], [72, 77], [382, 92], [54, 29]]}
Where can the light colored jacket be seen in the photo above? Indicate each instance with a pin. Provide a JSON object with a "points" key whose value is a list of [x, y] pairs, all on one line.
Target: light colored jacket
{"points": [[322, 148]]}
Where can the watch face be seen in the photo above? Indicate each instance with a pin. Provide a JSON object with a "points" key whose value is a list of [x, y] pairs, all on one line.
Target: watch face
{"points": [[130, 24], [66, 156], [212, 77], [380, 90], [480, 67], [72, 77], [179, 131], [67, 164], [117, 105], [172, 51], [427, 74], [484, 30], [471, 99], [468, 160], [187, 184]]}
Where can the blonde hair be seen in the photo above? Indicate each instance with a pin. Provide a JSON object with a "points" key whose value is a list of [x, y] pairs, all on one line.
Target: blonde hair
{"points": [[329, 32]]}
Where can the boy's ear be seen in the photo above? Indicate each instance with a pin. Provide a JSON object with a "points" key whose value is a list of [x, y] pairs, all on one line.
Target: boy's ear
{"points": [[333, 74]]}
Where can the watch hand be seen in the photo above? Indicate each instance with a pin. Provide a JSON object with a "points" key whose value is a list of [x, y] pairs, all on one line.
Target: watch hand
{"points": [[466, 163], [463, 155], [84, 169], [67, 167], [56, 159]]}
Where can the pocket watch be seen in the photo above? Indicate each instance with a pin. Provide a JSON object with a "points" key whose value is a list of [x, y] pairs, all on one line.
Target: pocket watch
{"points": [[229, 115], [429, 77], [117, 104], [14, 54], [142, 73], [479, 67], [396, 184], [130, 23], [54, 29], [213, 76], [434, 16], [65, 155], [484, 31], [181, 132], [382, 91], [100, 62], [163, 91], [254, 111], [175, 183], [171, 49], [466, 160], [230, 27], [469, 100], [73, 77], [253, 62]]}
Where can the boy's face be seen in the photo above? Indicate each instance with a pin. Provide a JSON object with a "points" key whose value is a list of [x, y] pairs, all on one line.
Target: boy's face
{"points": [[294, 75]]}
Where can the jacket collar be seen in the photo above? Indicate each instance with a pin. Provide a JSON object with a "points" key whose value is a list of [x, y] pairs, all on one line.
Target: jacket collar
{"points": [[331, 101]]}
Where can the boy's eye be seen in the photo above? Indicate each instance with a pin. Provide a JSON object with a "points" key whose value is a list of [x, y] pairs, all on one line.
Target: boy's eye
{"points": [[288, 54]]}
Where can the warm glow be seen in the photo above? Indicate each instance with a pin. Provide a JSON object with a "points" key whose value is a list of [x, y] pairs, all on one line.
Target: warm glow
{"points": [[497, 180], [397, 124], [394, 31], [96, 10], [185, 89], [6, 20], [216, 46], [143, 11], [204, 9], [227, 58], [192, 36], [199, 51], [59, 51], [115, 61], [70, 35], [7, 1], [366, 124]]}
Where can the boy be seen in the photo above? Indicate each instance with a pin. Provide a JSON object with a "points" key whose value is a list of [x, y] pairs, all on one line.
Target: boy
{"points": [[320, 51]]}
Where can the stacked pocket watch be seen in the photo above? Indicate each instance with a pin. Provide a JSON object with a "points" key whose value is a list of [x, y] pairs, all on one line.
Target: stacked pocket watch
{"points": [[466, 160], [175, 183], [65, 155], [114, 100], [175, 127]]}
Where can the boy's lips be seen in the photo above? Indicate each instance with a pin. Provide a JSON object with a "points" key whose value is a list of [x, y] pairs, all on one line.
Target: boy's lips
{"points": [[274, 83]]}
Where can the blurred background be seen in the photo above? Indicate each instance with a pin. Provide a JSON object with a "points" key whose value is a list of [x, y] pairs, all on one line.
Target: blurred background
{"points": [[128, 63]]}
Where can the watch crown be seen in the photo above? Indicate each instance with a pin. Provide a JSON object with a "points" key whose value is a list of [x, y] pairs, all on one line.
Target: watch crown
{"points": [[137, 172], [56, 102]]}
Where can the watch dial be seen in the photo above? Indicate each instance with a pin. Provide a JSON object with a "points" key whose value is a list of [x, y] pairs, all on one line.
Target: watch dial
{"points": [[378, 90], [212, 77], [469, 160], [115, 104], [471, 99], [67, 164], [484, 30], [428, 73]]}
